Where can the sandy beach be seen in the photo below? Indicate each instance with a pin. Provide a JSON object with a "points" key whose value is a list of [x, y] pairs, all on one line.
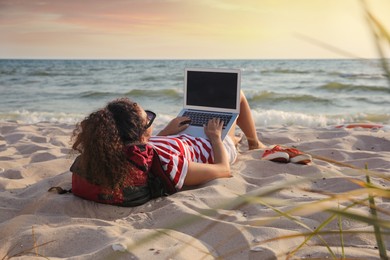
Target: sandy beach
{"points": [[208, 222]]}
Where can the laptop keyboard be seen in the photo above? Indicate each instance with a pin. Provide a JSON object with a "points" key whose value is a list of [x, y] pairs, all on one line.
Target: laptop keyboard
{"points": [[200, 119]]}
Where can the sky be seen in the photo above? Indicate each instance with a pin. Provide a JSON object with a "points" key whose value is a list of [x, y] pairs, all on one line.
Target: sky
{"points": [[189, 29]]}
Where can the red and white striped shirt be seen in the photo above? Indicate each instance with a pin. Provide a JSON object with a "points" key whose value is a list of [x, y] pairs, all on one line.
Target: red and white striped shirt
{"points": [[176, 151]]}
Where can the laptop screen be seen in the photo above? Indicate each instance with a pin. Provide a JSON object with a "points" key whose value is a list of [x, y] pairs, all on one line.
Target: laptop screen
{"points": [[212, 89]]}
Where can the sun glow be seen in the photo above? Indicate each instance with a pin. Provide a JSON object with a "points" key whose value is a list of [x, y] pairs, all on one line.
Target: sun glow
{"points": [[185, 29]]}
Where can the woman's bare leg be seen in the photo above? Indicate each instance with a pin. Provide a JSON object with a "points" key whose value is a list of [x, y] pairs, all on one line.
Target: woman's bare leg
{"points": [[246, 123], [236, 139]]}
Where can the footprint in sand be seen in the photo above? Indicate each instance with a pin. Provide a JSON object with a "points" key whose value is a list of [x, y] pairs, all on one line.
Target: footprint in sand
{"points": [[7, 129], [42, 157], [12, 174], [3, 146], [29, 148], [38, 139], [14, 138]]}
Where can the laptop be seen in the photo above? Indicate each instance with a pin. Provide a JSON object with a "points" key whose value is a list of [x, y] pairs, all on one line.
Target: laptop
{"points": [[210, 93]]}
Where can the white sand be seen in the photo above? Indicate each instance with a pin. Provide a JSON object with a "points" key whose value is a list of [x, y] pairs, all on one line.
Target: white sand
{"points": [[34, 158]]}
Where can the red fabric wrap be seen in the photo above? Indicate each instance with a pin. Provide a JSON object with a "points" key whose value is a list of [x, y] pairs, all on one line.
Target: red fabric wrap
{"points": [[140, 156]]}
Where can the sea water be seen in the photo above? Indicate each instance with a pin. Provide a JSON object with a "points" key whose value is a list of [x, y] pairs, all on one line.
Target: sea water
{"points": [[280, 92]]}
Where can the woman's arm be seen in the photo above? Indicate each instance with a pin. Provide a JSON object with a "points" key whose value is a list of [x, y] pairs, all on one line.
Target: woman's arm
{"points": [[199, 173], [175, 126]]}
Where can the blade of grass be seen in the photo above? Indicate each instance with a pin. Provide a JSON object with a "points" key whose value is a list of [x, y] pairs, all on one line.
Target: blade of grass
{"points": [[235, 204], [246, 199], [327, 232], [305, 226], [287, 214], [379, 33], [319, 228], [362, 218], [340, 224], [329, 203], [377, 230], [27, 250]]}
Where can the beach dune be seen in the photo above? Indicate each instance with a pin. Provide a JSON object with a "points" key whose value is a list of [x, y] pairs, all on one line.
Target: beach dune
{"points": [[207, 222]]}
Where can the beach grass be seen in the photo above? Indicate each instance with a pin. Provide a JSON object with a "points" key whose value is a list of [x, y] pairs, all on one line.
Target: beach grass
{"points": [[377, 229], [381, 37], [348, 205], [337, 206]]}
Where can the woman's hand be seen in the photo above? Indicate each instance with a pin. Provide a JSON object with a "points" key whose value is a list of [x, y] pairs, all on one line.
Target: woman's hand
{"points": [[175, 126], [213, 129], [199, 173]]}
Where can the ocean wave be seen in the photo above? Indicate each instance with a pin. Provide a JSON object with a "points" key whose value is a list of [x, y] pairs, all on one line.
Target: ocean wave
{"points": [[276, 117], [379, 101], [139, 93], [285, 71], [361, 75], [96, 94], [336, 86], [48, 73], [150, 78], [166, 93], [272, 97], [376, 118], [347, 75], [98, 69], [42, 73], [8, 72], [262, 118], [31, 117]]}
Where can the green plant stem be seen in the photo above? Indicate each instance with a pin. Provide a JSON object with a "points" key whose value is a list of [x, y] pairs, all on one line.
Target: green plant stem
{"points": [[377, 230], [341, 235]]}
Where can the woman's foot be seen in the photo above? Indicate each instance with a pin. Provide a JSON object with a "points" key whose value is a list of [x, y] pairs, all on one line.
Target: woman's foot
{"points": [[255, 144]]}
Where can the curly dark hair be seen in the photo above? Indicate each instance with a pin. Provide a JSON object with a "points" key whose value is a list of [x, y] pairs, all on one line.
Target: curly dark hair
{"points": [[101, 138]]}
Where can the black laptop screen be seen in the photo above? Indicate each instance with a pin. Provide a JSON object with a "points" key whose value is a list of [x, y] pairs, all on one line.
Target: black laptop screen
{"points": [[212, 89]]}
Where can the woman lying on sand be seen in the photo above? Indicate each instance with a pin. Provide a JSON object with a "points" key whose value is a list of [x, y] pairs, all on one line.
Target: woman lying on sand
{"points": [[117, 148]]}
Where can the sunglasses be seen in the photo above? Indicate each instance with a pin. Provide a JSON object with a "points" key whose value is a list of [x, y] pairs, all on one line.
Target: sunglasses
{"points": [[151, 116]]}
